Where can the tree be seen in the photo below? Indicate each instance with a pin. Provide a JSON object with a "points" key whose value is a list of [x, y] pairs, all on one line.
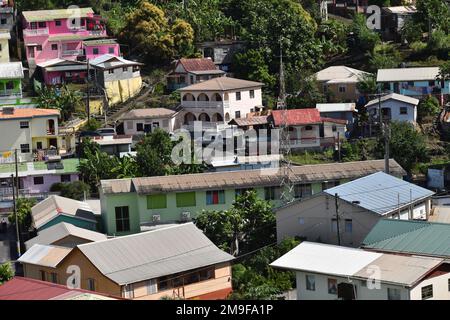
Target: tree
{"points": [[249, 224], [444, 71], [65, 100], [367, 84], [153, 154], [429, 106], [76, 190], [306, 92], [406, 145], [126, 168], [87, 146], [6, 272], [434, 14], [366, 39], [333, 34], [23, 208], [95, 167], [384, 56]]}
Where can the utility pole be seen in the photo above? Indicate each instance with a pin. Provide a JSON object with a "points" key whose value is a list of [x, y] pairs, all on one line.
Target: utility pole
{"points": [[386, 147], [339, 145], [337, 218], [88, 95], [15, 193]]}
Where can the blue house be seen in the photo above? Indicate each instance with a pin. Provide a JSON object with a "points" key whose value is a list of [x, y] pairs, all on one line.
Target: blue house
{"points": [[413, 81], [56, 209]]}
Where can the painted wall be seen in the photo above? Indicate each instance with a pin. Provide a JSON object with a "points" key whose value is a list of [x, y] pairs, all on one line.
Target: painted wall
{"points": [[417, 88], [4, 52], [102, 49], [130, 126], [332, 93], [394, 106], [121, 90], [440, 288], [49, 180]]}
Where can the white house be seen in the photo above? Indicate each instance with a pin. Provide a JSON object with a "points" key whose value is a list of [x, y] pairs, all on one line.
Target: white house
{"points": [[140, 121], [328, 272], [5, 36], [218, 100], [28, 130], [394, 107]]}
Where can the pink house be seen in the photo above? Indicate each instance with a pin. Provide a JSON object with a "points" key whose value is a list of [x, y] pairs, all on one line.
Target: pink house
{"points": [[69, 34]]}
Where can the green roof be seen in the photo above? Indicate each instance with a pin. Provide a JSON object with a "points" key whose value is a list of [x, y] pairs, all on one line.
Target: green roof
{"points": [[412, 237], [47, 15], [70, 166], [9, 167]]}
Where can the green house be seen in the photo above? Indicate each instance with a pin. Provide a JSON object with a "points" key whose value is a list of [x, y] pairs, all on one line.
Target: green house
{"points": [[11, 75], [128, 204]]}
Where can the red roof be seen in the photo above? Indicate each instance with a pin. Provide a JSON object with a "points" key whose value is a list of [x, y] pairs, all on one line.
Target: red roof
{"points": [[20, 288], [198, 64], [302, 117], [28, 113]]}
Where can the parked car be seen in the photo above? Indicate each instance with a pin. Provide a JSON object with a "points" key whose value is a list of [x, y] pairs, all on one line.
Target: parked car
{"points": [[106, 131]]}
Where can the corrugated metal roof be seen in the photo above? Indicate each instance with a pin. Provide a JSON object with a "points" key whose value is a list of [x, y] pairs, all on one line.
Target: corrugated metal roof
{"points": [[339, 74], [222, 84], [401, 9], [60, 231], [407, 74], [107, 61], [45, 255], [380, 192], [413, 237], [153, 254], [54, 205], [247, 178], [394, 96], [250, 121], [356, 263], [11, 70], [48, 15], [335, 107], [147, 113], [198, 64]]}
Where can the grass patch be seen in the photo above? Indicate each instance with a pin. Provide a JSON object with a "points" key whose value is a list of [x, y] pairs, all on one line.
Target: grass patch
{"points": [[312, 157]]}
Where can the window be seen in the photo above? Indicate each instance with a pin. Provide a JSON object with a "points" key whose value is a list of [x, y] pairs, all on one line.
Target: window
{"points": [[329, 184], [252, 94], [192, 79], [393, 294], [125, 69], [215, 197], [242, 191], [58, 23], [33, 25], [42, 274], [163, 283], [38, 48], [302, 190], [410, 83], [157, 201], [403, 110], [1, 47], [111, 71], [91, 284], [342, 88], [308, 128], [427, 292], [152, 286], [301, 220], [348, 225], [25, 148], [111, 51], [54, 46], [54, 277], [334, 225], [42, 24], [136, 68], [128, 291], [3, 21], [139, 127], [95, 51], [431, 83], [165, 123], [38, 180], [206, 274], [10, 85], [186, 199], [65, 178], [122, 219], [272, 193], [237, 114], [238, 96], [332, 286], [334, 128], [24, 124], [448, 284], [310, 283]]}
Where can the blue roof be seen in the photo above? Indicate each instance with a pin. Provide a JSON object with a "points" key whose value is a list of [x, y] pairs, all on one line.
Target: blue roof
{"points": [[380, 192]]}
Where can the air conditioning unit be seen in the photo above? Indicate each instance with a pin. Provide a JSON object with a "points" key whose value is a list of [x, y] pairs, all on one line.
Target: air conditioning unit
{"points": [[156, 218], [185, 216]]}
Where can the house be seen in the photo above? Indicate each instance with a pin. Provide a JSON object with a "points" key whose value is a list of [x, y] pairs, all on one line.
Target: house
{"points": [[328, 272], [393, 19], [191, 71], [394, 107], [61, 71], [414, 82], [28, 130], [19, 288], [221, 52], [118, 77], [219, 100], [52, 34], [117, 145], [338, 83], [7, 15], [177, 262], [5, 36], [173, 199], [141, 121], [35, 177], [308, 129], [11, 75], [360, 204], [418, 238], [339, 111], [56, 209], [94, 48]]}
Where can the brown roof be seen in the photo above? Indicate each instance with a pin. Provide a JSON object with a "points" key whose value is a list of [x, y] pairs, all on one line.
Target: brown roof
{"points": [[221, 84], [198, 64], [247, 178], [251, 121], [302, 117], [148, 113], [28, 113]]}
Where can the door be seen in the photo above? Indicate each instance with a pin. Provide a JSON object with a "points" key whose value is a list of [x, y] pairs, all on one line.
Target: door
{"points": [[53, 142], [346, 291], [31, 52], [39, 145], [147, 128]]}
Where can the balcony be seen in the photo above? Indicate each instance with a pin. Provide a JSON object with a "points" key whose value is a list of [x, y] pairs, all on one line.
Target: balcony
{"points": [[72, 52], [205, 104], [10, 93], [35, 32]]}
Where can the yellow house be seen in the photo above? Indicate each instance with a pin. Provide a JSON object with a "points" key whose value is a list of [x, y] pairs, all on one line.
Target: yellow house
{"points": [[5, 36], [176, 261]]}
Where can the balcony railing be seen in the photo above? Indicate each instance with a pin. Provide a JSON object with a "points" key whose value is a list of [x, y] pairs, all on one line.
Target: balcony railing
{"points": [[72, 52], [205, 104], [10, 92], [35, 32]]}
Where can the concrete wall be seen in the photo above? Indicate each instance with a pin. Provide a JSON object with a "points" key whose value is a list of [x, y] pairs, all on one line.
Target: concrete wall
{"points": [[394, 106], [440, 288], [49, 180], [130, 126], [332, 93], [4, 52]]}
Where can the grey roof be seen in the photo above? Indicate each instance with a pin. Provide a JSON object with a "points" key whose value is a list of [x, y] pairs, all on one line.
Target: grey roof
{"points": [[380, 192], [48, 15], [153, 254], [48, 209], [108, 61], [222, 84], [60, 231], [247, 178], [147, 113], [407, 74], [45, 255], [11, 70], [394, 96], [339, 74]]}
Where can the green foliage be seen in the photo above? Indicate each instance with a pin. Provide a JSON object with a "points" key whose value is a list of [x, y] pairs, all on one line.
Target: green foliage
{"points": [[87, 146], [367, 84], [433, 13], [439, 42], [6, 272], [306, 93], [65, 100], [96, 166], [333, 34], [23, 208], [366, 39], [92, 124], [406, 145], [418, 46], [444, 71], [411, 31], [126, 168], [76, 190], [384, 56], [249, 224], [362, 149], [429, 106]]}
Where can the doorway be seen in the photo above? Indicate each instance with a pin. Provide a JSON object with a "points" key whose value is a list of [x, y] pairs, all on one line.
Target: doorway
{"points": [[346, 291]]}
